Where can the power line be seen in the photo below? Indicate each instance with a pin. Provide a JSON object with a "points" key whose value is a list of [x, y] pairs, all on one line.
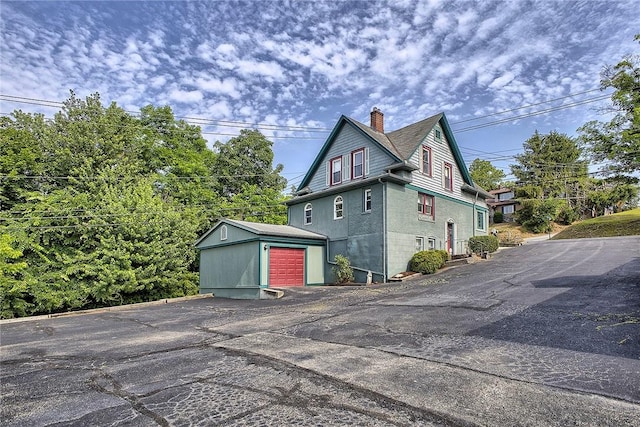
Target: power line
{"points": [[200, 120], [534, 113], [526, 106]]}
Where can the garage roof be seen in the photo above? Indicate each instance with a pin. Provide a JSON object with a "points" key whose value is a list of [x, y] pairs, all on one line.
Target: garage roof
{"points": [[266, 230]]}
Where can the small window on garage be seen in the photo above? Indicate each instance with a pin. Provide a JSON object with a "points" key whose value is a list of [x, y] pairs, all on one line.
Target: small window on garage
{"points": [[223, 232]]}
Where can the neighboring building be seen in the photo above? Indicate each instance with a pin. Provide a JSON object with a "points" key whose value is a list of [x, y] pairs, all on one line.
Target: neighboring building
{"points": [[375, 197], [503, 201]]}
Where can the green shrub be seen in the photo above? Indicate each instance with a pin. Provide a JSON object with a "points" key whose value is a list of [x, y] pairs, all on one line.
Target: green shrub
{"points": [[426, 262], [479, 244], [342, 270], [443, 254], [536, 215], [567, 215], [498, 217]]}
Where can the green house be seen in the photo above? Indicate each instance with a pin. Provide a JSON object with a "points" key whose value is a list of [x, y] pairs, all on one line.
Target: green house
{"points": [[375, 197], [243, 260]]}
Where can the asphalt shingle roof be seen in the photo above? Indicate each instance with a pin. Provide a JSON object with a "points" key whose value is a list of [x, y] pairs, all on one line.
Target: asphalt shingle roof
{"points": [[275, 230], [404, 141]]}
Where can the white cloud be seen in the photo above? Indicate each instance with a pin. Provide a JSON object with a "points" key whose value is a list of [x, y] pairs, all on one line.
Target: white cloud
{"points": [[185, 96]]}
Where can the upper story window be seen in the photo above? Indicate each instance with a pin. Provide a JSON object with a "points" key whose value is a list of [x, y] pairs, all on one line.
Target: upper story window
{"points": [[505, 196], [448, 176], [437, 134], [223, 232], [357, 164], [336, 170], [426, 160], [425, 205], [480, 220], [308, 209], [366, 200], [338, 208]]}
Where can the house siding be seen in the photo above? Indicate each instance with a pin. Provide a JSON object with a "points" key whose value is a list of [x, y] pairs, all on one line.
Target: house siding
{"points": [[230, 267], [358, 235], [404, 224], [347, 140], [441, 154]]}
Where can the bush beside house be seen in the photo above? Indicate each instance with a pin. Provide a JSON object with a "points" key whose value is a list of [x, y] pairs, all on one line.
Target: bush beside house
{"points": [[480, 244]]}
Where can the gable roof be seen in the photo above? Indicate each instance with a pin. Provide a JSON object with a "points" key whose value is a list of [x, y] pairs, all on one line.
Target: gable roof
{"points": [[400, 143], [265, 230]]}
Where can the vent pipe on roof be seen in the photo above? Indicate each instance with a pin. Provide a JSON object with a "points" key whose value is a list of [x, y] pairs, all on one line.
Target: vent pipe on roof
{"points": [[377, 120]]}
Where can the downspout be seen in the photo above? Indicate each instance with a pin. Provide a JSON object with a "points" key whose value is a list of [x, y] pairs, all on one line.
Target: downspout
{"points": [[473, 214], [384, 229]]}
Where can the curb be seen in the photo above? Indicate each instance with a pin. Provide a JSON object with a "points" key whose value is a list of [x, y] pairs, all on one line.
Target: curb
{"points": [[104, 309]]}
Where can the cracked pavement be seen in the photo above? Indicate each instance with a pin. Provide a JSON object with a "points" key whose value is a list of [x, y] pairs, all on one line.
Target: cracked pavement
{"points": [[543, 334]]}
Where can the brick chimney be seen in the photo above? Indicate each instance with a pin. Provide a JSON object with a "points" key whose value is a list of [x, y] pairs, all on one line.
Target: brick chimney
{"points": [[377, 120]]}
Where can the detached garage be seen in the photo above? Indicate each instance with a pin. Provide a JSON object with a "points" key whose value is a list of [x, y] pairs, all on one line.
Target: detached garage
{"points": [[239, 259]]}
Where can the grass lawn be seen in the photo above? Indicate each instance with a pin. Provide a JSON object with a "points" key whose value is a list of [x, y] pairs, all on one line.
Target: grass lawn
{"points": [[621, 224]]}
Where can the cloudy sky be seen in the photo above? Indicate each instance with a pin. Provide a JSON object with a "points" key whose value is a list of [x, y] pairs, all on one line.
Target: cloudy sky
{"points": [[498, 69]]}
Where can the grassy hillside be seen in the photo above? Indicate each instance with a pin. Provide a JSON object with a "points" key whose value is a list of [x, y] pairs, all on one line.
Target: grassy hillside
{"points": [[620, 224]]}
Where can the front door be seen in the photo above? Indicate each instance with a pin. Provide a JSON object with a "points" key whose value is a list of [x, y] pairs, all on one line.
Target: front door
{"points": [[450, 241]]}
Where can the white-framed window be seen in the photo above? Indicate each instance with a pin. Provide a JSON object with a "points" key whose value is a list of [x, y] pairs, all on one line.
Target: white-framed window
{"points": [[308, 210], [480, 220], [357, 164], [426, 205], [338, 208], [336, 170], [431, 243], [448, 176], [426, 160], [419, 244], [507, 209], [366, 200], [223, 232]]}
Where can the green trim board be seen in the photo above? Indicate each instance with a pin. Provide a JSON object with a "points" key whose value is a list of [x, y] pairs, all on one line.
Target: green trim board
{"points": [[444, 196]]}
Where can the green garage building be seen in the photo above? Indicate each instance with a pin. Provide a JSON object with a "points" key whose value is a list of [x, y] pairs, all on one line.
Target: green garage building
{"points": [[240, 259]]}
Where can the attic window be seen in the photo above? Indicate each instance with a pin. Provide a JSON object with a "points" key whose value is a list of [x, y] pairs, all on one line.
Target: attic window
{"points": [[438, 134], [223, 232]]}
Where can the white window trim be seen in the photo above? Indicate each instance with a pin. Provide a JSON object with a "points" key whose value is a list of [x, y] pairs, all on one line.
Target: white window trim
{"points": [[336, 160], [364, 200], [484, 220], [223, 233], [308, 208], [353, 163], [419, 246], [335, 207]]}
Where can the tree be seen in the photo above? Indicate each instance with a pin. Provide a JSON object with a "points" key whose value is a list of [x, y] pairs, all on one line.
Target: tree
{"points": [[618, 140], [246, 159], [484, 174], [551, 167], [105, 206]]}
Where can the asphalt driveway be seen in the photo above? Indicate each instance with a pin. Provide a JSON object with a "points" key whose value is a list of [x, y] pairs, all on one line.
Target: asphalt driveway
{"points": [[543, 334]]}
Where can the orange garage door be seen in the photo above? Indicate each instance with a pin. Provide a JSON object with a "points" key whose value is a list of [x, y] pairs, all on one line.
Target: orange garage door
{"points": [[286, 267]]}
